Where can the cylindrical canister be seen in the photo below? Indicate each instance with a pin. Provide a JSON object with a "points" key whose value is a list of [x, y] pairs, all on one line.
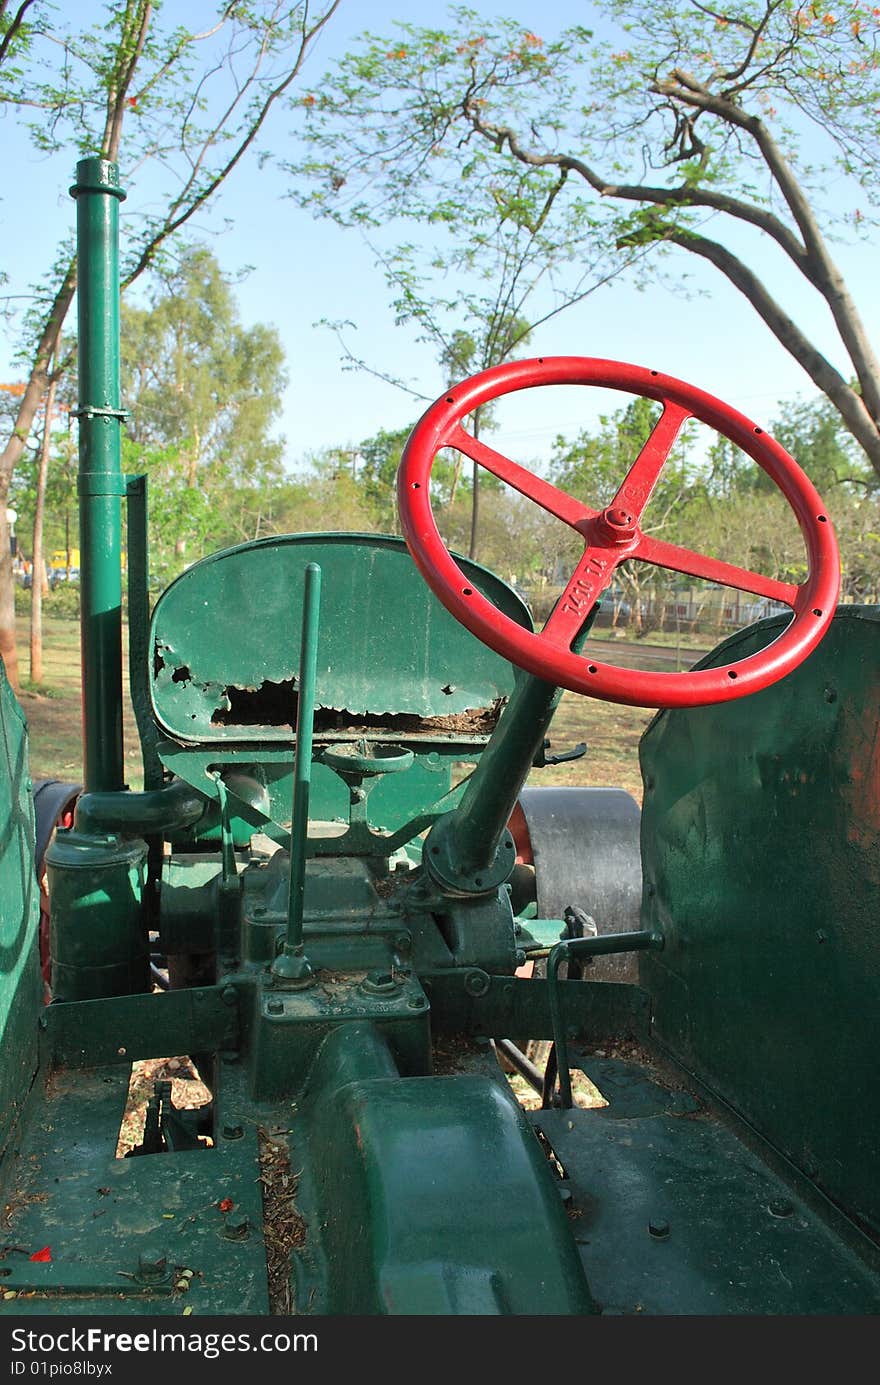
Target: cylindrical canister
{"points": [[98, 936]]}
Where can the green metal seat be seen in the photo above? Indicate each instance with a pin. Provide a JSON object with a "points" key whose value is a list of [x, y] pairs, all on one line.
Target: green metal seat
{"points": [[226, 634]]}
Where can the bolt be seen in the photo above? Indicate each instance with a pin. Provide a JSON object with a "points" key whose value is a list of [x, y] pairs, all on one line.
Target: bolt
{"points": [[275, 1007], [152, 1264], [780, 1207], [229, 995], [402, 942], [658, 1228], [236, 1225], [232, 1130], [476, 983], [417, 1002]]}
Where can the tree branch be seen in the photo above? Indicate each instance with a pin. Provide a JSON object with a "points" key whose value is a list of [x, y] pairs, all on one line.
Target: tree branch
{"points": [[14, 27], [848, 403], [175, 222]]}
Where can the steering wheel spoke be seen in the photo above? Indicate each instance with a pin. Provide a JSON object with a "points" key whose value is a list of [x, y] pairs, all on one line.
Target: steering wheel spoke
{"points": [[643, 475], [670, 555], [614, 535], [549, 497], [590, 578]]}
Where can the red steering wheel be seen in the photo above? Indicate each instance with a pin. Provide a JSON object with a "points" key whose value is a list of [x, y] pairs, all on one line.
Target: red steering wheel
{"points": [[614, 534]]}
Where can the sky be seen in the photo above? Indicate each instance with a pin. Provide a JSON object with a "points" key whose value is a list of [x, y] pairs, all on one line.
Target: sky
{"points": [[304, 270]]}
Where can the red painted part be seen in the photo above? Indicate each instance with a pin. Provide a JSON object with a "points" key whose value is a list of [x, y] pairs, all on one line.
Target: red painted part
{"points": [[519, 830], [614, 534]]}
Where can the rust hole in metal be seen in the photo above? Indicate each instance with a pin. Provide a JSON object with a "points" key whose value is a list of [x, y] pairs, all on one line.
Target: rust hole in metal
{"points": [[271, 704], [275, 704]]}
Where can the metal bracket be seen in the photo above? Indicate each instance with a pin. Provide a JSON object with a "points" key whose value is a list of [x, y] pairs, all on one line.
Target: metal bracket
{"points": [[542, 759], [99, 411]]}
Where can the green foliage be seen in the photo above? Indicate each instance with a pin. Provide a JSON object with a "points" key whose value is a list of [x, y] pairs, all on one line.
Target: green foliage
{"points": [[812, 432], [613, 156], [61, 602], [203, 393]]}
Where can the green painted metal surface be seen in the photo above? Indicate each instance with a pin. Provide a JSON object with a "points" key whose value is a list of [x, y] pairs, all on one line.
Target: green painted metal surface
{"points": [[100, 483], [287, 1029], [468, 1001], [761, 854], [126, 1029], [98, 1214], [673, 1214], [393, 802], [437, 1198], [387, 647], [98, 933], [21, 987]]}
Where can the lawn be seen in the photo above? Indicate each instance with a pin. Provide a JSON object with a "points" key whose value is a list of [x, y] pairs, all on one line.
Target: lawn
{"points": [[611, 732]]}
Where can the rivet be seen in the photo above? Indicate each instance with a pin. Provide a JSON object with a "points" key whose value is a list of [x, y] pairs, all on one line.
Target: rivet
{"points": [[237, 1225], [780, 1207], [658, 1228], [152, 1264]]}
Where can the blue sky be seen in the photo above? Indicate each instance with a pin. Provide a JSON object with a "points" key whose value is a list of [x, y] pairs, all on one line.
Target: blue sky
{"points": [[304, 270]]}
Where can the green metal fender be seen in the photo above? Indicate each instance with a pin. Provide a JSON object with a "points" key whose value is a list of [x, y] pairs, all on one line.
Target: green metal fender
{"points": [[433, 1194]]}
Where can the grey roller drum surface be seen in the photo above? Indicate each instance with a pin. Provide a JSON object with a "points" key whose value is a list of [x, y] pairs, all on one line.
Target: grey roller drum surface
{"points": [[585, 846]]}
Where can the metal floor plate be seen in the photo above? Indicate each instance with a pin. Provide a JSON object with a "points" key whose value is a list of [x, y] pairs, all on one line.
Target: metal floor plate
{"points": [[674, 1215], [97, 1214]]}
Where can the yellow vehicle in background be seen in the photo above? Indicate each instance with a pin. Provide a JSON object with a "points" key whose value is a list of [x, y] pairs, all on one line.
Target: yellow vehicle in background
{"points": [[63, 566]]}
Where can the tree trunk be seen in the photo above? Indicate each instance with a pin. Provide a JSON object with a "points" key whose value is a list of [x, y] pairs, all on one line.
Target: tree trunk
{"points": [[12, 453], [38, 566]]}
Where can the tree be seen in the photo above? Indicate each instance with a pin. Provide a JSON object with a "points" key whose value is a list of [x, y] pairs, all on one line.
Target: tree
{"points": [[202, 392], [475, 283], [699, 118], [812, 431], [191, 103]]}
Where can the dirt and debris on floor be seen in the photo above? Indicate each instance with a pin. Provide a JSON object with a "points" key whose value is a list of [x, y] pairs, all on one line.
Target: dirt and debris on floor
{"points": [[284, 1229]]}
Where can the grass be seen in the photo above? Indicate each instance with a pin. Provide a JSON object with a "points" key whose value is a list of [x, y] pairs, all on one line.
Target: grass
{"points": [[53, 710], [610, 731]]}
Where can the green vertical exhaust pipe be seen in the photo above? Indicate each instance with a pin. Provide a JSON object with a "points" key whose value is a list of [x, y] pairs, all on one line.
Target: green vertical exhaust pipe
{"points": [[99, 941], [100, 484]]}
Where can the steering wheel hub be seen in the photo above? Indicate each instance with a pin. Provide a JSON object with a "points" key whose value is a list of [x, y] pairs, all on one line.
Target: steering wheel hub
{"points": [[617, 524]]}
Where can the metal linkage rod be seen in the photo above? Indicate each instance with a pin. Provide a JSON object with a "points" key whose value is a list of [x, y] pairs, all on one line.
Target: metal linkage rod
{"points": [[571, 949], [291, 966]]}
